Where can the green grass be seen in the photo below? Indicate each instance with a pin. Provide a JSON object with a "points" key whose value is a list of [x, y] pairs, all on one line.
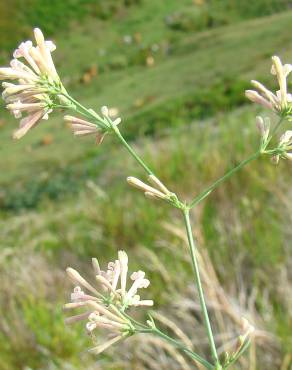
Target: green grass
{"points": [[66, 201]]}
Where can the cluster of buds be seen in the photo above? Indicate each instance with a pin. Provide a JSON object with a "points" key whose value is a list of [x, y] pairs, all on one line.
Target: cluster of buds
{"points": [[279, 102], [99, 129], [242, 343], [284, 148], [160, 192], [38, 90], [105, 305], [35, 81]]}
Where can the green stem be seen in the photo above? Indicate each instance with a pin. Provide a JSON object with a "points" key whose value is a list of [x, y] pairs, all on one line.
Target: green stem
{"points": [[177, 344], [131, 151], [207, 191], [141, 328], [199, 286]]}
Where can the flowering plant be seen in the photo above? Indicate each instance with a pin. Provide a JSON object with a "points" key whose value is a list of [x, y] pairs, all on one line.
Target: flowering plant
{"points": [[108, 305]]}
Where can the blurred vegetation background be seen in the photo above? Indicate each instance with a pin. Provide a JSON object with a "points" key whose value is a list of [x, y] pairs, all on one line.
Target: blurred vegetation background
{"points": [[176, 72]]}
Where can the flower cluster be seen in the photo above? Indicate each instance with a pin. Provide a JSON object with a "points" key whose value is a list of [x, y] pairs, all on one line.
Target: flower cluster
{"points": [[31, 92], [106, 306], [279, 102], [38, 90], [103, 125]]}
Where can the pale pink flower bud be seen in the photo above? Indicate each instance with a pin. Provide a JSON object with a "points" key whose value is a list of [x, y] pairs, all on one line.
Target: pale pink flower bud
{"points": [[267, 94], [76, 318], [257, 98], [263, 125], [102, 280], [81, 127], [104, 311], [77, 278], [145, 188], [12, 74], [27, 123]]}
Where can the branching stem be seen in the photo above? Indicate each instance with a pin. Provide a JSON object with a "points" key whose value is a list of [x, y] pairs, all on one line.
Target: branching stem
{"points": [[207, 191], [140, 328], [199, 286]]}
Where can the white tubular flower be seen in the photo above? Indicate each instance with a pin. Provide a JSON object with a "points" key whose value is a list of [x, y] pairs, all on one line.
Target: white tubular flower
{"points": [[35, 81], [106, 303], [139, 282], [280, 101], [123, 260]]}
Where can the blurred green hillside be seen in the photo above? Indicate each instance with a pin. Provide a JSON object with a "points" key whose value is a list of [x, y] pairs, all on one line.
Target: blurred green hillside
{"points": [[176, 73]]}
